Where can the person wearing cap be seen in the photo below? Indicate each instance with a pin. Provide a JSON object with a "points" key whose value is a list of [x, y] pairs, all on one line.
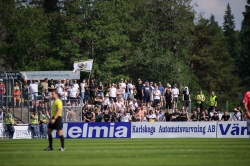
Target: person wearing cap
{"points": [[236, 116], [33, 90], [215, 117], [9, 122], [2, 92], [34, 124], [175, 92], [56, 121]]}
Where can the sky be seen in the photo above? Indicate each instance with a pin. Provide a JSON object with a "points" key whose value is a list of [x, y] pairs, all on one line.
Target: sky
{"points": [[218, 8]]}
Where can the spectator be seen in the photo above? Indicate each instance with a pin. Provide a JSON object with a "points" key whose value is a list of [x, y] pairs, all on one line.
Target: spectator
{"points": [[151, 117], [99, 116], [120, 93], [212, 102], [212, 112], [82, 85], [151, 84], [194, 117], [98, 100], [200, 98], [33, 90], [120, 105], [124, 116], [89, 117], [175, 92], [73, 93], [76, 85], [161, 89], [219, 115], [107, 88], [186, 98], [138, 116], [130, 91], [51, 83], [176, 115], [25, 93], [106, 102], [64, 96], [67, 84], [113, 93], [198, 112], [44, 85], [16, 86], [139, 87], [17, 97], [34, 124], [106, 116], [86, 93], [47, 97], [122, 85], [159, 115], [184, 116], [43, 124], [168, 98], [167, 116], [207, 115], [92, 87], [112, 105], [236, 116], [59, 87], [241, 112], [100, 89], [225, 117], [146, 92], [157, 96], [215, 117], [203, 117]]}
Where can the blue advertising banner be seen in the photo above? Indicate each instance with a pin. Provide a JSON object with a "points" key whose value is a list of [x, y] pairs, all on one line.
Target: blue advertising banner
{"points": [[95, 130]]}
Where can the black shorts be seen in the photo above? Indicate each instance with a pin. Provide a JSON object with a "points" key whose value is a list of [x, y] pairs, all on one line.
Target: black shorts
{"points": [[58, 125], [185, 103]]}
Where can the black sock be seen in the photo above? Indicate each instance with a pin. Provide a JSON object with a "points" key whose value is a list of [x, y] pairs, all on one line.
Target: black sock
{"points": [[50, 141], [62, 141]]}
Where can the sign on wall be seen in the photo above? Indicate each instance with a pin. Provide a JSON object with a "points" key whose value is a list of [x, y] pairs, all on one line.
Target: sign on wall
{"points": [[173, 130], [56, 75], [232, 129]]}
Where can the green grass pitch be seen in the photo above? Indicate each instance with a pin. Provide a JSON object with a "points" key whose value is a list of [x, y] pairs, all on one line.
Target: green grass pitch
{"points": [[119, 152]]}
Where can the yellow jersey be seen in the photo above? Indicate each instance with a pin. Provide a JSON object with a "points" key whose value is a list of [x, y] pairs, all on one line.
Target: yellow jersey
{"points": [[55, 106]]}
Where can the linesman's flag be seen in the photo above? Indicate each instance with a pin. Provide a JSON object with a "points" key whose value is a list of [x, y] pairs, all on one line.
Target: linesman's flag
{"points": [[83, 66]]}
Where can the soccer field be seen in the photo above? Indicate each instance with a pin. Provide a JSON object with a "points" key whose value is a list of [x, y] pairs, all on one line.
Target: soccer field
{"points": [[127, 152]]}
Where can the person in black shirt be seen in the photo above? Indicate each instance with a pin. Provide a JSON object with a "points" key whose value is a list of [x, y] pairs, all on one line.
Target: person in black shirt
{"points": [[167, 116], [176, 115], [207, 116], [203, 117], [106, 116], [88, 117], [186, 98], [215, 117], [139, 87], [168, 98], [92, 87], [225, 117], [195, 117], [184, 116]]}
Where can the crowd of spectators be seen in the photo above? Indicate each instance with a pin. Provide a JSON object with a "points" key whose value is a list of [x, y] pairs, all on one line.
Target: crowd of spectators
{"points": [[121, 102]]}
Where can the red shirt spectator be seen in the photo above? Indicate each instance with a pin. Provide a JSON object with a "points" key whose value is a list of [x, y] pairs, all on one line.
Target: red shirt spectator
{"points": [[2, 87]]}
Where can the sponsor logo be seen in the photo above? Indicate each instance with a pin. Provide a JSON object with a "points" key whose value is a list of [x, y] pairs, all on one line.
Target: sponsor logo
{"points": [[23, 134], [173, 129], [96, 130], [233, 129]]}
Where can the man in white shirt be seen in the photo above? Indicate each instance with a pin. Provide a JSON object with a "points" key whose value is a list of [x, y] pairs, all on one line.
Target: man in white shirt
{"points": [[73, 93], [59, 87], [175, 92], [133, 104], [157, 96], [76, 85], [112, 94], [236, 116], [33, 90], [125, 118], [123, 86]]}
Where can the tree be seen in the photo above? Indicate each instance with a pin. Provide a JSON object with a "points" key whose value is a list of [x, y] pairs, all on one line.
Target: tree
{"points": [[229, 31], [211, 61]]}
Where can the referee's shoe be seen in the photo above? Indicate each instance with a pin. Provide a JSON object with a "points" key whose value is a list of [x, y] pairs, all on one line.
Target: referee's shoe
{"points": [[49, 149]]}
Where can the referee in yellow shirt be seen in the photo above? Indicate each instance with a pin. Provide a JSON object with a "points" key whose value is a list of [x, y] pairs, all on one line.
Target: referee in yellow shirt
{"points": [[56, 121]]}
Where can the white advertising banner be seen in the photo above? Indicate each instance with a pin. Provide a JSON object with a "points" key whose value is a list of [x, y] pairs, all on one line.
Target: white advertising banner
{"points": [[22, 132], [56, 75], [2, 134], [232, 129], [173, 130]]}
